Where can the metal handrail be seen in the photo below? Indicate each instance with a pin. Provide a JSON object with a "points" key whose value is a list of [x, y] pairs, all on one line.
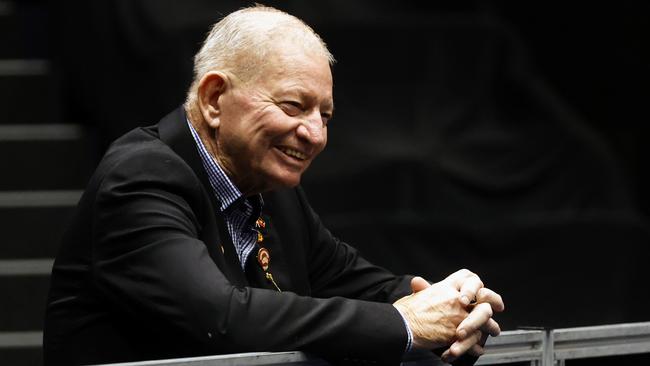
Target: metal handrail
{"points": [[515, 346], [604, 340], [253, 359], [543, 347]]}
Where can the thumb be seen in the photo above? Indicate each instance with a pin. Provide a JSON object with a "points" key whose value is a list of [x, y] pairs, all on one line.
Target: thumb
{"points": [[418, 284]]}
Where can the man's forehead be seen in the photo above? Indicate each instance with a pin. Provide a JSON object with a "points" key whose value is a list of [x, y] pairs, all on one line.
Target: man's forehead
{"points": [[298, 73]]}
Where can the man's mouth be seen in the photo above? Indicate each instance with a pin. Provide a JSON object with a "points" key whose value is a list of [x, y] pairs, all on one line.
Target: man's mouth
{"points": [[293, 153]]}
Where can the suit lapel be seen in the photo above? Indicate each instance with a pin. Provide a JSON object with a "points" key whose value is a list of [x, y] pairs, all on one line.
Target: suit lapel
{"points": [[175, 133], [286, 240]]}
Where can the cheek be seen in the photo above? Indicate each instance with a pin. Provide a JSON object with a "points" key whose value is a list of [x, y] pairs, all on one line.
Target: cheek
{"points": [[276, 130], [324, 143]]}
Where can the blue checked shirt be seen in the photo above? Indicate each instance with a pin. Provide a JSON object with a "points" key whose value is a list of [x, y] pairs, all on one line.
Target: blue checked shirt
{"points": [[239, 212]]}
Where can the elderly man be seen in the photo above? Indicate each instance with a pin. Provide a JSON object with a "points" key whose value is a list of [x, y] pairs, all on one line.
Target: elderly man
{"points": [[193, 237]]}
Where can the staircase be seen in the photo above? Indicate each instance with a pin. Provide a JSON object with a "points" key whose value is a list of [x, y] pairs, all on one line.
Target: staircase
{"points": [[45, 164]]}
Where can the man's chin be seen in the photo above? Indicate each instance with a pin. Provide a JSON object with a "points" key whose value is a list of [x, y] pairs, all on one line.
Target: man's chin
{"points": [[287, 181], [287, 184], [276, 182]]}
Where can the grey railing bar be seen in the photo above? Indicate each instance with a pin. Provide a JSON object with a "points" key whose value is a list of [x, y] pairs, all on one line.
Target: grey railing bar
{"points": [[26, 267], [55, 198], [605, 340]]}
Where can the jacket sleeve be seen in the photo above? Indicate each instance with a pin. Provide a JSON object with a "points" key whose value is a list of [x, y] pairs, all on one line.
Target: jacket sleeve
{"points": [[150, 265]]}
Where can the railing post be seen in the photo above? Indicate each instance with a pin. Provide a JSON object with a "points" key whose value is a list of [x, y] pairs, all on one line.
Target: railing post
{"points": [[548, 356]]}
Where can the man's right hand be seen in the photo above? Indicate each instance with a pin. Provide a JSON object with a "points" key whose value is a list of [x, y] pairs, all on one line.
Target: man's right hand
{"points": [[440, 315]]}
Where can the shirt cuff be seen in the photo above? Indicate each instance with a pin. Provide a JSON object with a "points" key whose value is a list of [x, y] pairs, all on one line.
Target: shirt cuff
{"points": [[409, 341]]}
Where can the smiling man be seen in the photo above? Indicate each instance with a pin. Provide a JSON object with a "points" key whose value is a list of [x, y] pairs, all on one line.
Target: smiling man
{"points": [[194, 238], [263, 126]]}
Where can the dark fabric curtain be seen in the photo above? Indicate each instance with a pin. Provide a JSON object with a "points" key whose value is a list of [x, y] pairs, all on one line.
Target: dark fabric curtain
{"points": [[447, 150]]}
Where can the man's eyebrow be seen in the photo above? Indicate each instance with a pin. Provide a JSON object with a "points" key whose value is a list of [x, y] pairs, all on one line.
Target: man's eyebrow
{"points": [[304, 94]]}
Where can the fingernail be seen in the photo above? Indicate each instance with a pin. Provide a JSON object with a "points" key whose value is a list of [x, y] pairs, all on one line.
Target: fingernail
{"points": [[455, 349]]}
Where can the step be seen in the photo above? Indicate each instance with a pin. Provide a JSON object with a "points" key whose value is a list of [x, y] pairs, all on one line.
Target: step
{"points": [[26, 267], [24, 67], [21, 348], [51, 156]]}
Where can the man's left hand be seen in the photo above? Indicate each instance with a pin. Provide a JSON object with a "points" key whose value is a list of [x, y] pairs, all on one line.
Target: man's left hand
{"points": [[473, 331]]}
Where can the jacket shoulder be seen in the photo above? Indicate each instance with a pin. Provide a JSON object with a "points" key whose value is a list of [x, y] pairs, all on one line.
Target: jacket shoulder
{"points": [[141, 155]]}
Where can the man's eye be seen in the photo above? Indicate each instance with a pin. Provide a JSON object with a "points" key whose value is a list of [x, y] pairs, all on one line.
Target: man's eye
{"points": [[325, 118], [291, 108]]}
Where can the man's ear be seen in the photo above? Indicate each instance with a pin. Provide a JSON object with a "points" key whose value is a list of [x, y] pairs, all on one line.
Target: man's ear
{"points": [[212, 85]]}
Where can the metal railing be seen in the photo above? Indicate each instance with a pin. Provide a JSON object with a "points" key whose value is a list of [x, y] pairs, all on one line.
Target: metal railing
{"points": [[549, 347], [517, 346], [606, 340], [540, 347]]}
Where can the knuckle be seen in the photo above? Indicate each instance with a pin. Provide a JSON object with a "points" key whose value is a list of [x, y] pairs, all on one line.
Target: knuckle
{"points": [[496, 326], [456, 350]]}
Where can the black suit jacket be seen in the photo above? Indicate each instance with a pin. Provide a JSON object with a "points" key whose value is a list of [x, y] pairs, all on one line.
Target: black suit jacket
{"points": [[141, 273]]}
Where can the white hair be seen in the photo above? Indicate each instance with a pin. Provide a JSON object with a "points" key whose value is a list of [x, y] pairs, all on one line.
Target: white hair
{"points": [[241, 42]]}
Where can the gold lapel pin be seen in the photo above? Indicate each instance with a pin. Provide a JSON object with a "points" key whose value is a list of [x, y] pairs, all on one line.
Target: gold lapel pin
{"points": [[260, 223], [264, 258]]}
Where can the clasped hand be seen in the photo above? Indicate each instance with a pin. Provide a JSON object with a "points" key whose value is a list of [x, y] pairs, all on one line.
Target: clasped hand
{"points": [[455, 312]]}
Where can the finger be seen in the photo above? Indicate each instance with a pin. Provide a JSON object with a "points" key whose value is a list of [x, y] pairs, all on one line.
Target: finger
{"points": [[458, 278], [469, 289], [474, 321], [476, 350], [484, 338], [459, 347], [418, 284], [491, 327], [446, 356], [491, 297]]}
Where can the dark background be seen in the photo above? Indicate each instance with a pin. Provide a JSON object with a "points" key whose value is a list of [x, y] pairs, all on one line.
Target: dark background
{"points": [[505, 137]]}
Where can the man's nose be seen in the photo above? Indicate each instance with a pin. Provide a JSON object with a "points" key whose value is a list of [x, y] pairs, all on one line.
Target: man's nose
{"points": [[313, 130]]}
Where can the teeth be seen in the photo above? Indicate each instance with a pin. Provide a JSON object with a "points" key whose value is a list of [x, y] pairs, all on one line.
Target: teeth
{"points": [[291, 152]]}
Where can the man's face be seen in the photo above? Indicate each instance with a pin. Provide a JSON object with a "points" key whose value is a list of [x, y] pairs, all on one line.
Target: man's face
{"points": [[274, 126]]}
